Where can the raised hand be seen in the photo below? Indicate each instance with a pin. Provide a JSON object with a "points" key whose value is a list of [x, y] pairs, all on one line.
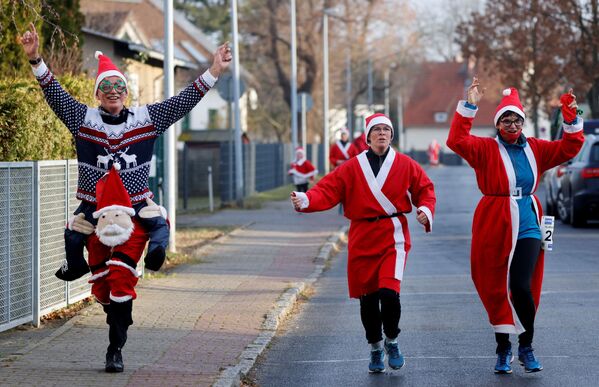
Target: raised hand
{"points": [[30, 42], [474, 94], [222, 59], [568, 106]]}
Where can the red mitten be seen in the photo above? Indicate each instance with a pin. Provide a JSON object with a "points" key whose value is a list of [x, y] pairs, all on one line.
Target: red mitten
{"points": [[569, 113]]}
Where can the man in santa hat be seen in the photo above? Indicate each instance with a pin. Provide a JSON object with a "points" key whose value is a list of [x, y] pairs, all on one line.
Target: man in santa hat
{"points": [[115, 249], [341, 150], [115, 134], [433, 152], [302, 171], [377, 189], [506, 256]]}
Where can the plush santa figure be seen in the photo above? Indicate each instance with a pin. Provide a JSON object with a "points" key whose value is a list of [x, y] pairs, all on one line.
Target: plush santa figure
{"points": [[115, 249]]}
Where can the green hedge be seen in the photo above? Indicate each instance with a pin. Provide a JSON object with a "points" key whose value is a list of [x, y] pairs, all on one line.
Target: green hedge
{"points": [[29, 129]]}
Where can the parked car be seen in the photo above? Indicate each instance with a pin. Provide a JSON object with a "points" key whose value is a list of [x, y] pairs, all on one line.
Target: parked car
{"points": [[552, 178], [578, 195]]}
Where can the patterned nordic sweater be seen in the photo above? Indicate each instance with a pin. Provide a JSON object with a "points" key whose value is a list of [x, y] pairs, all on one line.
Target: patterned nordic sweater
{"points": [[130, 143]]}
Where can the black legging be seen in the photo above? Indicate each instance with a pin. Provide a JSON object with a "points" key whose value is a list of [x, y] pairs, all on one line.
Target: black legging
{"points": [[523, 264], [387, 314]]}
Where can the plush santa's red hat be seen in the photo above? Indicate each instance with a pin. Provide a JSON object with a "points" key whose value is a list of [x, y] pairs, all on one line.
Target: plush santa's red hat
{"points": [[509, 103], [106, 69], [112, 195], [376, 119]]}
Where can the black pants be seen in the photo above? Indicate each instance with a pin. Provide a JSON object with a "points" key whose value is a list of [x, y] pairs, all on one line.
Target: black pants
{"points": [[521, 270], [301, 187], [119, 318], [381, 308]]}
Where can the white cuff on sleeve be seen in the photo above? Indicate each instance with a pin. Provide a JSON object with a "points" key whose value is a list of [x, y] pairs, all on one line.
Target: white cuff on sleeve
{"points": [[209, 78], [465, 111], [429, 215], [304, 198], [40, 70], [577, 127]]}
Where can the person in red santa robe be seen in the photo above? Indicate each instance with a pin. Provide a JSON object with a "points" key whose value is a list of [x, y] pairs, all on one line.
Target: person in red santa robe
{"points": [[341, 150], [360, 143], [302, 170], [433, 152], [377, 189], [506, 256], [115, 249]]}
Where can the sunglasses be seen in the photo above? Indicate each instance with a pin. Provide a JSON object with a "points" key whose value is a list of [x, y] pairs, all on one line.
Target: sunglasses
{"points": [[106, 86]]}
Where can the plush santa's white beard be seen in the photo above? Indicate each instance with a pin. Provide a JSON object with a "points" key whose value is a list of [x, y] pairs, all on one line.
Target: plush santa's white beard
{"points": [[118, 235]]}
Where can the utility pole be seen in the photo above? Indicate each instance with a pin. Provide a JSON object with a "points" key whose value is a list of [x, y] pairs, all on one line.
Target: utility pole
{"points": [[236, 98], [293, 78], [170, 149], [325, 102]]}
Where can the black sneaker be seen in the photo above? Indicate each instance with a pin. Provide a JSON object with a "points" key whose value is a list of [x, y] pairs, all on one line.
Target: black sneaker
{"points": [[114, 362]]}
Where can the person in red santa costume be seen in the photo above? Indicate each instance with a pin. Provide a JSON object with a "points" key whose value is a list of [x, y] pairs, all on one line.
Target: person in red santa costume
{"points": [[302, 170], [433, 152], [377, 189], [115, 249], [341, 150], [506, 256], [360, 143]]}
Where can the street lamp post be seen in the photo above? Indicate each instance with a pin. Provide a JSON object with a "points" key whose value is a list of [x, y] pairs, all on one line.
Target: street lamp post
{"points": [[236, 98], [169, 143], [350, 113], [325, 102], [293, 78]]}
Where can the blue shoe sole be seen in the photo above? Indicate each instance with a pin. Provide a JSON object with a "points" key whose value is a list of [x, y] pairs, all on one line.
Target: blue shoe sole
{"points": [[531, 370], [376, 371]]}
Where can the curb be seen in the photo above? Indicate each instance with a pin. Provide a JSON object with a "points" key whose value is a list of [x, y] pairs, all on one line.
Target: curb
{"points": [[231, 376]]}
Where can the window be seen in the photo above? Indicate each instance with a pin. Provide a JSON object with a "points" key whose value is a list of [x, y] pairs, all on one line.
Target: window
{"points": [[213, 119], [440, 117]]}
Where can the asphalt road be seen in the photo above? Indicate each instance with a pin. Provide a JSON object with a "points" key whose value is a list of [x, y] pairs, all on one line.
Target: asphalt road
{"points": [[445, 336]]}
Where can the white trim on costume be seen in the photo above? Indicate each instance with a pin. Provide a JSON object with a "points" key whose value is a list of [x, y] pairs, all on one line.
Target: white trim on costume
{"points": [[375, 187], [533, 165], [515, 222], [379, 120], [510, 108], [429, 215], [304, 198], [121, 298], [464, 111], [574, 128], [98, 275], [123, 264], [295, 172], [344, 149]]}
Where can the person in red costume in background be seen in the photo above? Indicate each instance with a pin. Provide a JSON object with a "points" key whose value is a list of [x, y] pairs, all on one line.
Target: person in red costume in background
{"points": [[341, 150], [302, 170], [360, 143], [506, 255], [377, 189]]}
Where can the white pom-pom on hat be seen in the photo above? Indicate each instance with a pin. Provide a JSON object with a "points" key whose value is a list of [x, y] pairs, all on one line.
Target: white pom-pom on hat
{"points": [[97, 54], [507, 92]]}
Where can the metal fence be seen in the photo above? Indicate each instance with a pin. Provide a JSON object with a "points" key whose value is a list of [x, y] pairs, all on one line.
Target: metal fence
{"points": [[36, 199]]}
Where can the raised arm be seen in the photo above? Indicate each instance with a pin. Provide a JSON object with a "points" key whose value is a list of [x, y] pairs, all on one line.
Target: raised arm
{"points": [[166, 113], [459, 139], [70, 111]]}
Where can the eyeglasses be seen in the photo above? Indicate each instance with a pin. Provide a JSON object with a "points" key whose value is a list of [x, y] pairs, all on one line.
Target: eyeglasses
{"points": [[378, 129], [106, 86], [507, 122]]}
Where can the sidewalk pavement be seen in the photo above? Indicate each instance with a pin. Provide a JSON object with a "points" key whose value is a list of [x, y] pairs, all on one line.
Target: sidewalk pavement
{"points": [[201, 324]]}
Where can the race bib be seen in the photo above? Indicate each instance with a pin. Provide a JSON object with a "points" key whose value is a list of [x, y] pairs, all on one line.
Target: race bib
{"points": [[547, 226]]}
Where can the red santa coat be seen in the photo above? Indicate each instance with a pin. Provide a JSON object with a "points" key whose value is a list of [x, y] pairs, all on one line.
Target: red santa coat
{"points": [[496, 219], [377, 249], [360, 143], [340, 152], [302, 170]]}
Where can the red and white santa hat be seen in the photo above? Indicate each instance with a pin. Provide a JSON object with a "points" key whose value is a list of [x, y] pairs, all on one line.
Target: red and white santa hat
{"points": [[112, 195], [509, 103], [106, 69], [376, 119], [343, 130]]}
